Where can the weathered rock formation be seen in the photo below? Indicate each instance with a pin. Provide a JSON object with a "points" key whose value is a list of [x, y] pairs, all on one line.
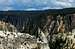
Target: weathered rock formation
{"points": [[41, 24]]}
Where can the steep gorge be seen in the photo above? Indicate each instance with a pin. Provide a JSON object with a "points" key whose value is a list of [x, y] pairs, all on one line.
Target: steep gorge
{"points": [[41, 24]]}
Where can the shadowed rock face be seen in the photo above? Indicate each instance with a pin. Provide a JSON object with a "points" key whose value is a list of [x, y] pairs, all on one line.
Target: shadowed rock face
{"points": [[73, 21], [26, 24], [29, 22], [41, 24]]}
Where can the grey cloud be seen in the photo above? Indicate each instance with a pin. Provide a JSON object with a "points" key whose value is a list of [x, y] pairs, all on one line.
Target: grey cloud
{"points": [[36, 4]]}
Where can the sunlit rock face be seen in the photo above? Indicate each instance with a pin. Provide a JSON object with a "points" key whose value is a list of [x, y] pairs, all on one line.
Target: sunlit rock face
{"points": [[44, 20], [7, 27], [13, 40], [17, 40], [49, 29]]}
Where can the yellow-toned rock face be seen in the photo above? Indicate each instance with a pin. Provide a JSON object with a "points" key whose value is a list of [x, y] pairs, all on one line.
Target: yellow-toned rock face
{"points": [[7, 27]]}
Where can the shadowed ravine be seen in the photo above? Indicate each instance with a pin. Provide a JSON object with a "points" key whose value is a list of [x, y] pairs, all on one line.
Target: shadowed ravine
{"points": [[43, 24], [26, 20]]}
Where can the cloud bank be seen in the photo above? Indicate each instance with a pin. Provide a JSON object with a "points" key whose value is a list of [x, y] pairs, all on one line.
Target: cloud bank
{"points": [[35, 4]]}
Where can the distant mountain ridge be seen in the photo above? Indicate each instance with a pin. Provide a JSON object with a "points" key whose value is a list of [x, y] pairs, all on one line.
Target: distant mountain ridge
{"points": [[25, 21], [38, 12]]}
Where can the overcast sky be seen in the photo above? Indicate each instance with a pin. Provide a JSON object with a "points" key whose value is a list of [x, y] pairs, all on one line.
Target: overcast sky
{"points": [[35, 4]]}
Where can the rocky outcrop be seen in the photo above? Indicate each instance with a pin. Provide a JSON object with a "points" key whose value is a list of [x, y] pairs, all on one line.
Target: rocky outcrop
{"points": [[37, 29], [13, 40], [29, 21], [17, 40]]}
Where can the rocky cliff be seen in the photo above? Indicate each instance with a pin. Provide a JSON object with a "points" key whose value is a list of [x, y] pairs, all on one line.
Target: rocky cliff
{"points": [[37, 29]]}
